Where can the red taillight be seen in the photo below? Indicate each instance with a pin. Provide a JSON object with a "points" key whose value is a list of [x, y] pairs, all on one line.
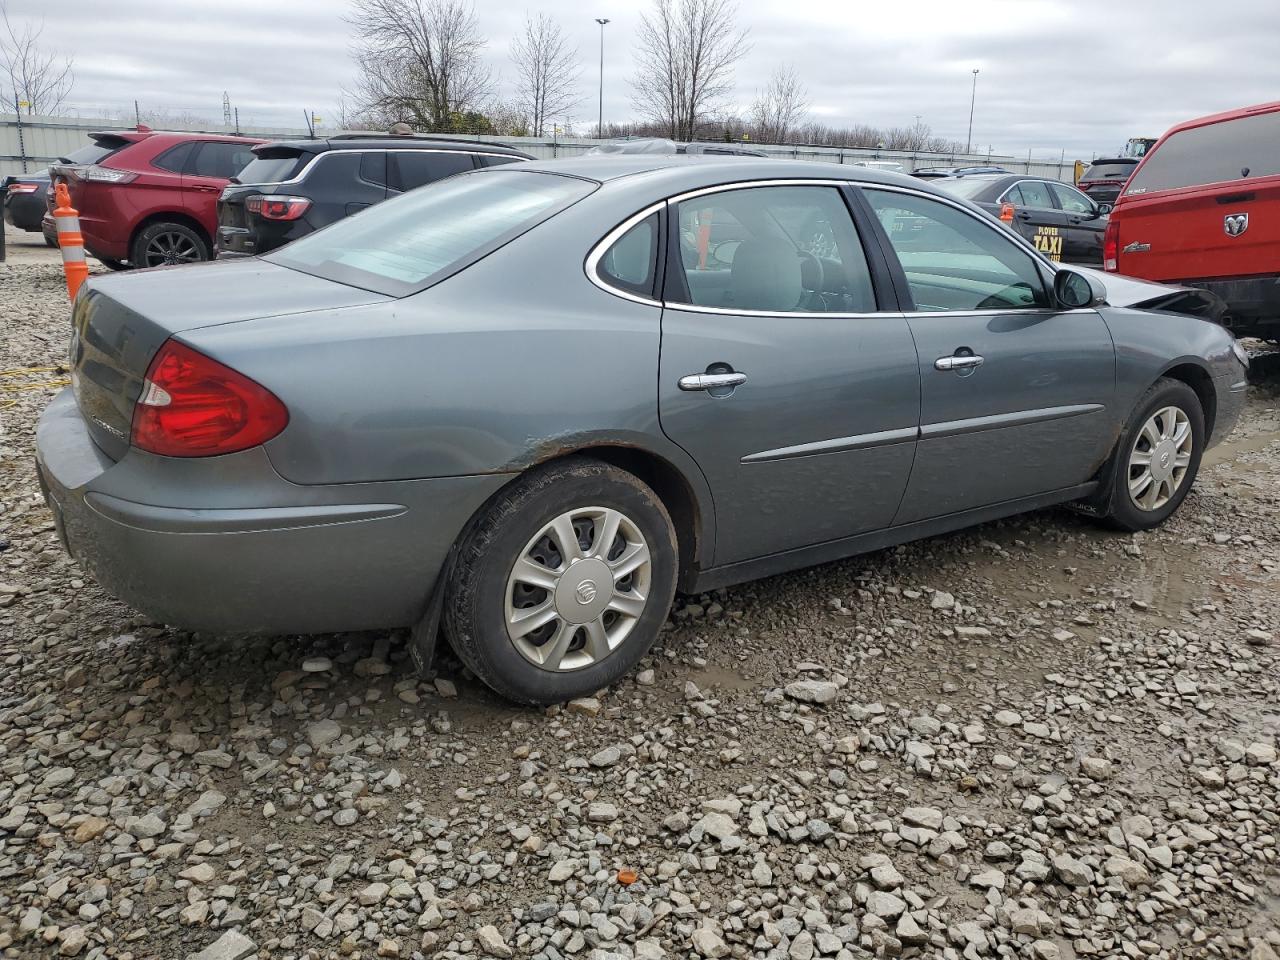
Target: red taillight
{"points": [[1111, 246], [277, 208], [23, 187], [194, 406]]}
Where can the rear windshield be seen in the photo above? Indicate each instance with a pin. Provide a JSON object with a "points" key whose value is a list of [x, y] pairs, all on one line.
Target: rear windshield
{"points": [[1108, 170], [1238, 149], [95, 152], [273, 166], [967, 187], [404, 244]]}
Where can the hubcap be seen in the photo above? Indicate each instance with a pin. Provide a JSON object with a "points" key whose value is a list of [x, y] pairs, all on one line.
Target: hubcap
{"points": [[1160, 458], [578, 588]]}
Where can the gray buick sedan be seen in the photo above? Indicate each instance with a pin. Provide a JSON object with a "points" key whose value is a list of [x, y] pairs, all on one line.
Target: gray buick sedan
{"points": [[526, 405]]}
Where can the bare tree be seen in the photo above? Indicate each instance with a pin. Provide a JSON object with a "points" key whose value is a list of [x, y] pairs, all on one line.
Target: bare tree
{"points": [[779, 108], [41, 79], [547, 73], [687, 51], [420, 61]]}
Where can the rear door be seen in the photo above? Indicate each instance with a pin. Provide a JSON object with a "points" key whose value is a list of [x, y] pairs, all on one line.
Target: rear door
{"points": [[407, 169], [798, 399], [1205, 203], [1085, 225], [1037, 217], [210, 167], [1015, 394]]}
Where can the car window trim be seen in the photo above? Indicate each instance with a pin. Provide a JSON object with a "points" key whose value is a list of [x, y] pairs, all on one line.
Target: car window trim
{"points": [[317, 157], [597, 252], [1047, 268]]}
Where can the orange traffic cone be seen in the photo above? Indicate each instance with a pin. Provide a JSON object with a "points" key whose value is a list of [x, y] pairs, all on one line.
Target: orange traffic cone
{"points": [[67, 219]]}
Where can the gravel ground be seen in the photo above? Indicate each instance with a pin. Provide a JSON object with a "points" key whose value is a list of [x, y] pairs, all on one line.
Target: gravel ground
{"points": [[1034, 739]]}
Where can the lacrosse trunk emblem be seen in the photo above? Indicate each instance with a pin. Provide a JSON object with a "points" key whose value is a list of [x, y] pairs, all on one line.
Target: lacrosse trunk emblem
{"points": [[1235, 224]]}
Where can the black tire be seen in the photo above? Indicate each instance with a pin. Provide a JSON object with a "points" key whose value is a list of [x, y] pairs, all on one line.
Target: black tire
{"points": [[1123, 512], [166, 243], [113, 264], [476, 598], [50, 241]]}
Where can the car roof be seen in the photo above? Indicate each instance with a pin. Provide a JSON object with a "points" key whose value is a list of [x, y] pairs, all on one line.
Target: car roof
{"points": [[681, 171], [390, 142]]}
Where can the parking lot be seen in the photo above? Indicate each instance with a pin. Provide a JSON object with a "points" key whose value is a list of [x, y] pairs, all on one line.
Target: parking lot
{"points": [[1032, 739]]}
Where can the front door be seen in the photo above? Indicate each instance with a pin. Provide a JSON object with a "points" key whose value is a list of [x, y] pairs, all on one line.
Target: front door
{"points": [[1015, 395], [778, 375], [211, 166], [1085, 225]]}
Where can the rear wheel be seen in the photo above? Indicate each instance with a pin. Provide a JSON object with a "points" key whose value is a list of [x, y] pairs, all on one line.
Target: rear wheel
{"points": [[564, 583], [50, 241], [1158, 457], [166, 243]]}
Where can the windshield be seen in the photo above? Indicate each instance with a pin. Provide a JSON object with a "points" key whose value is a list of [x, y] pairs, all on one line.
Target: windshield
{"points": [[276, 167], [1238, 149], [967, 187], [402, 245]]}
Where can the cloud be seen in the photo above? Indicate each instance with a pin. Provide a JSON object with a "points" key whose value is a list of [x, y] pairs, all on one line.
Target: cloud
{"points": [[1077, 77]]}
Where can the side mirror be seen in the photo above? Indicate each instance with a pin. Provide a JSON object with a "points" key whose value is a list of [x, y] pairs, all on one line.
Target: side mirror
{"points": [[1104, 209], [1074, 291]]}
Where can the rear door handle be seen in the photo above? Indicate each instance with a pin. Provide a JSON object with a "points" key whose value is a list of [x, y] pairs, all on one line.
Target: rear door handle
{"points": [[958, 363], [711, 381]]}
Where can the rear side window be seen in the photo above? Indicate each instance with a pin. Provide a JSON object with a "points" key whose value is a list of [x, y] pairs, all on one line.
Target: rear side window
{"points": [[274, 166], [495, 161], [408, 242], [221, 160], [1032, 193], [412, 168], [629, 262], [373, 167], [1238, 149], [175, 158]]}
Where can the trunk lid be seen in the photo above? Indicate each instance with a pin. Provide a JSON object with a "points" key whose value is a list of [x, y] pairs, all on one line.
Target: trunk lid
{"points": [[120, 321]]}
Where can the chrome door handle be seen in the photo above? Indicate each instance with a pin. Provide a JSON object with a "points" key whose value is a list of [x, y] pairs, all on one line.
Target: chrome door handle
{"points": [[710, 381], [957, 363]]}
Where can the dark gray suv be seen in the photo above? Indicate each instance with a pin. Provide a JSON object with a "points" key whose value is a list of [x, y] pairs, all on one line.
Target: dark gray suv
{"points": [[293, 187]]}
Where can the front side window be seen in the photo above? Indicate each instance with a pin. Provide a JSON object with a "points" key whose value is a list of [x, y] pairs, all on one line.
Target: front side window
{"points": [[1232, 150], [410, 241], [1071, 199], [630, 260], [953, 260], [772, 249], [220, 160]]}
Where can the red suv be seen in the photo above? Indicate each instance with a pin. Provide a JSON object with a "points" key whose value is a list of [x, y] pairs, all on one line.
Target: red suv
{"points": [[151, 198], [1203, 209]]}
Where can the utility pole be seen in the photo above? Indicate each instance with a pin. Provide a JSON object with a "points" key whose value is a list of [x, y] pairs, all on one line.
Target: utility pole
{"points": [[226, 109], [600, 120], [137, 114], [972, 97]]}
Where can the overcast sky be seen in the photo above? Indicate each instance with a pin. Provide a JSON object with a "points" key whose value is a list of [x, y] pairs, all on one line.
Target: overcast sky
{"points": [[1074, 75]]}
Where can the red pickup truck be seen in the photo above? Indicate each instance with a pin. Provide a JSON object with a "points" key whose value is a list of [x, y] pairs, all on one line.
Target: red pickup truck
{"points": [[1203, 209]]}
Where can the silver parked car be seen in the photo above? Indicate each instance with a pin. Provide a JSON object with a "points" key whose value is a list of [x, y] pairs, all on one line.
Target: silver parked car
{"points": [[529, 403]]}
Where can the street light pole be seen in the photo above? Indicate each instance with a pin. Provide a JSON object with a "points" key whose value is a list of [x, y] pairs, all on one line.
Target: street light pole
{"points": [[600, 120], [972, 97]]}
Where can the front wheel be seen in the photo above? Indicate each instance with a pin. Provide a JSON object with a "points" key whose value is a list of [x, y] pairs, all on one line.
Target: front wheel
{"points": [[1158, 456], [564, 583]]}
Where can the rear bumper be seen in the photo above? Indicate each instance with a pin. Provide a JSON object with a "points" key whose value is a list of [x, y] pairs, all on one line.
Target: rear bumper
{"points": [[291, 559], [1253, 303]]}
